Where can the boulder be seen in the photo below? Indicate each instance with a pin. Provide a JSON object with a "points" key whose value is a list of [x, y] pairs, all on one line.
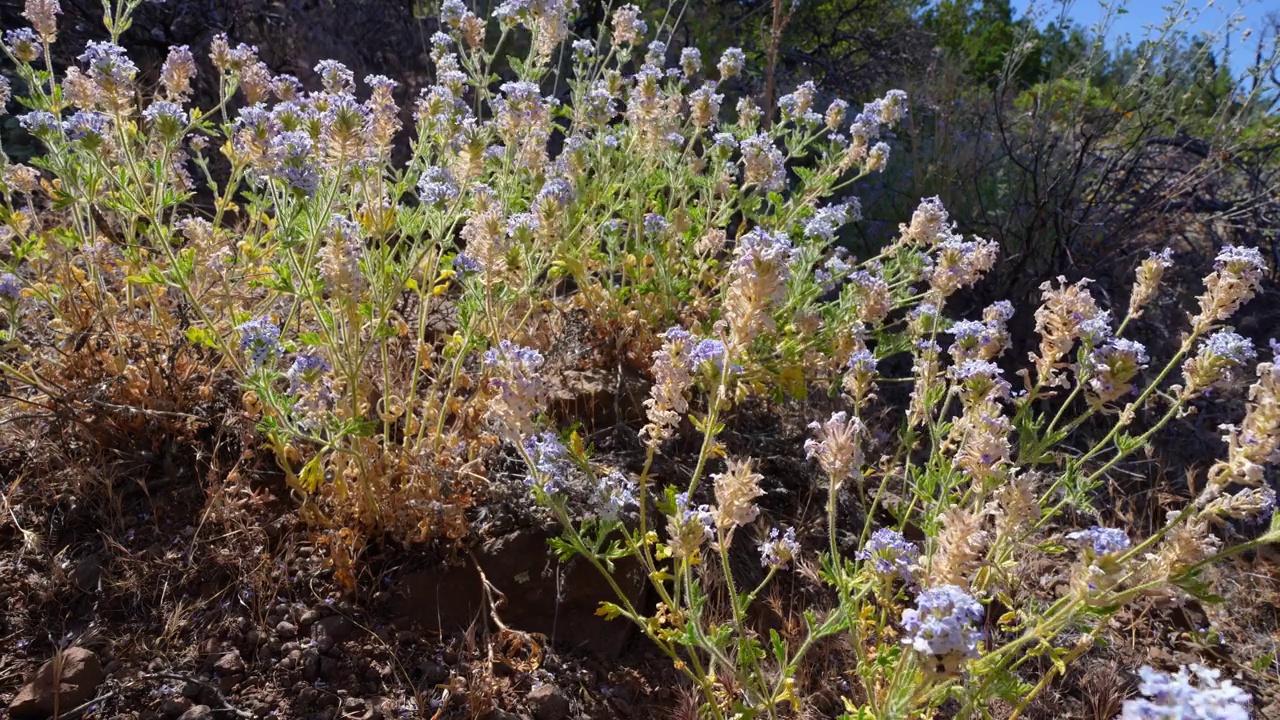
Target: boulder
{"points": [[81, 674]]}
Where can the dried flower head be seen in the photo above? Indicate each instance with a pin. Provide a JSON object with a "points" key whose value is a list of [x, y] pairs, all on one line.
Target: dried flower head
{"points": [[1111, 369], [732, 60], [688, 528], [1256, 441], [1219, 361], [1058, 320], [736, 491], [837, 446], [758, 279], [627, 25], [1237, 274], [1147, 283], [671, 380], [43, 16], [519, 389]]}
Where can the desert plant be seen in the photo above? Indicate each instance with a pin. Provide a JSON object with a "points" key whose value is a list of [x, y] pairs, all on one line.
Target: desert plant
{"points": [[394, 329]]}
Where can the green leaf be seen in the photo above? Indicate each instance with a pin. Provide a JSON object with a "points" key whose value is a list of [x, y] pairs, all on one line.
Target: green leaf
{"points": [[201, 336]]}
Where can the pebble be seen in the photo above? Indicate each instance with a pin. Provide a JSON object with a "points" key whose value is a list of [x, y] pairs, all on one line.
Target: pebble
{"points": [[198, 712], [286, 629], [548, 703]]}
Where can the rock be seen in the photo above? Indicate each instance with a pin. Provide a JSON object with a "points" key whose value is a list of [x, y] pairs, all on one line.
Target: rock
{"points": [[199, 712], [253, 638], [309, 617], [433, 673], [112, 667], [286, 629], [229, 664], [173, 707], [328, 669], [500, 714], [548, 703], [192, 690], [86, 574], [311, 664], [335, 626], [559, 601], [80, 677]]}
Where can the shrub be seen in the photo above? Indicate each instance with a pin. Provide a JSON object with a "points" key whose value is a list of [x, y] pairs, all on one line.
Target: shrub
{"points": [[397, 328]]}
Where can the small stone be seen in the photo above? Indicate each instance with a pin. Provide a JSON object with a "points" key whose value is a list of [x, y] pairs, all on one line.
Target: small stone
{"points": [[500, 714], [112, 667], [86, 574], [199, 712], [548, 703], [286, 629], [191, 690], [229, 664], [81, 674], [175, 706], [308, 618], [311, 664], [352, 704], [253, 638], [328, 668], [433, 673], [406, 637], [336, 627]]}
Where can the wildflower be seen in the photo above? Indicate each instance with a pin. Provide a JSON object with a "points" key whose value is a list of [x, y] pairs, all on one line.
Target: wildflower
{"points": [[437, 187], [519, 389], [1097, 330], [926, 369], [10, 287], [43, 15], [286, 88], [295, 164], [111, 71], [23, 44], [89, 126], [872, 299], [780, 549], [763, 164], [655, 225], [1112, 368], [627, 25], [452, 12], [961, 544], [832, 271], [466, 265], [583, 50], [1147, 283], [305, 371], [944, 624], [1101, 540], [928, 224], [704, 106], [546, 18], [671, 370], [1218, 361], [961, 263], [877, 157], [548, 462], [1059, 320], [616, 493], [835, 113], [656, 54], [731, 62], [1174, 697], [748, 112], [736, 491], [860, 380], [167, 119], [758, 278], [893, 107], [260, 340], [836, 446], [522, 119], [39, 122], [827, 220], [799, 104], [690, 61], [1237, 274], [336, 77], [1257, 503], [5, 93], [688, 527], [984, 452], [890, 554], [978, 380], [710, 350], [1256, 441]]}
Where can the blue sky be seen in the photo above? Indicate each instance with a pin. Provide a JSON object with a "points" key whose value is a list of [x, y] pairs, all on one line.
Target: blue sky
{"points": [[1143, 14]]}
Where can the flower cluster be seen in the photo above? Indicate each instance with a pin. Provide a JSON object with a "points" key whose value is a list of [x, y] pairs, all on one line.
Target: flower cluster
{"points": [[944, 624], [1061, 320], [688, 527], [548, 462], [518, 388], [1218, 361], [1236, 275], [1147, 282], [1101, 540], [889, 554], [1174, 697], [779, 549], [1256, 441], [260, 340], [1111, 369], [761, 266]]}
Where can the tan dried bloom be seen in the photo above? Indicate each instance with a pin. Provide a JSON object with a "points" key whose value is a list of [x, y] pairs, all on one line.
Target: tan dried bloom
{"points": [[79, 90], [1234, 281], [758, 275], [711, 242], [1147, 283], [984, 453], [671, 381], [256, 82], [928, 224], [736, 491], [176, 73], [1256, 441], [961, 544], [22, 178], [1184, 546], [836, 447], [1059, 320], [627, 25], [43, 15], [961, 263], [1016, 505]]}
